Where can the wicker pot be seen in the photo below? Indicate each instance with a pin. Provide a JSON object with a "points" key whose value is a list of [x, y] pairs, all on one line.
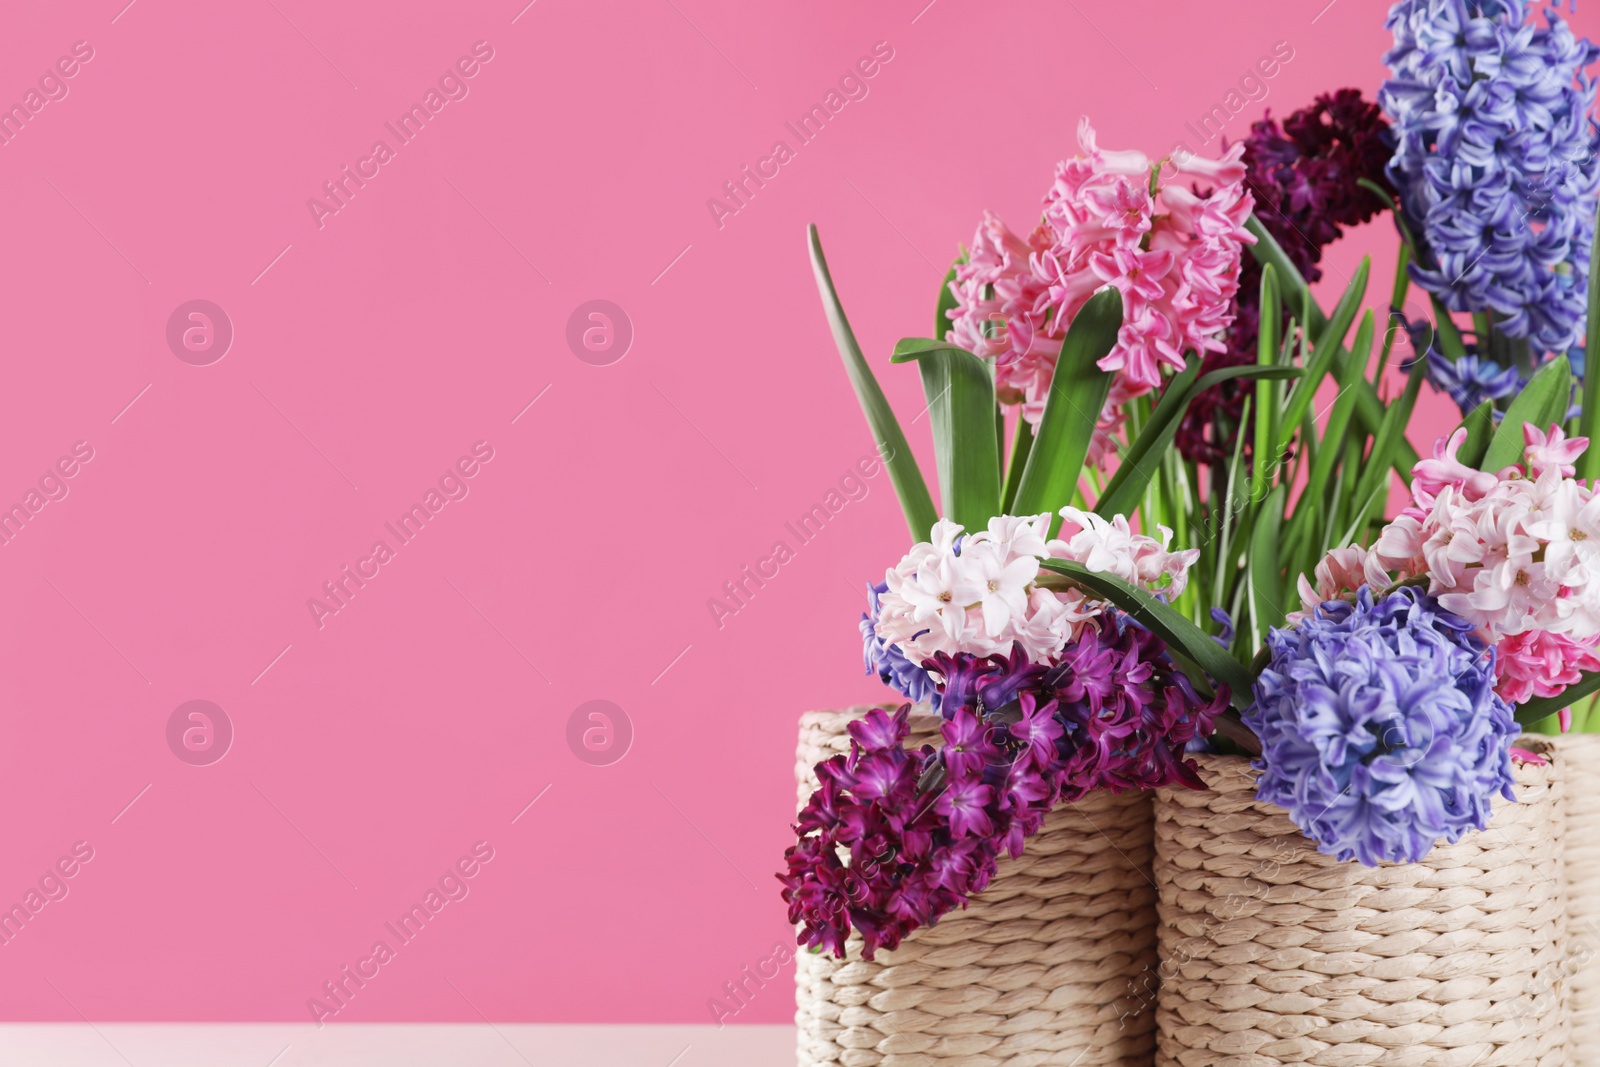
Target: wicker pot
{"points": [[1580, 759], [1052, 964], [1273, 953]]}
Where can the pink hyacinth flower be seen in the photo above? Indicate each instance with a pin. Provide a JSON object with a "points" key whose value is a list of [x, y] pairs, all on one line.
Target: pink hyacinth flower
{"points": [[1553, 450], [1117, 219]]}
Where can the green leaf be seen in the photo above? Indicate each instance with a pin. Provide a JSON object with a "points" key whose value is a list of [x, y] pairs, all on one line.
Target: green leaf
{"points": [[909, 486], [1531, 711], [1369, 409], [1230, 506], [1542, 401], [1479, 425], [1263, 459], [1445, 329], [1077, 396], [1383, 195], [1589, 421], [1351, 375], [911, 349], [1021, 445], [1133, 465], [1397, 300], [960, 392], [1266, 581], [1143, 456], [1327, 346], [1374, 481], [1166, 623], [947, 300]]}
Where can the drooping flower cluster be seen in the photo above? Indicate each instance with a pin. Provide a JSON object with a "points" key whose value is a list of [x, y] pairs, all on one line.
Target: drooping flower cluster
{"points": [[976, 592], [892, 839], [1304, 177], [1110, 218], [1381, 733], [1045, 693], [1495, 160], [1515, 552]]}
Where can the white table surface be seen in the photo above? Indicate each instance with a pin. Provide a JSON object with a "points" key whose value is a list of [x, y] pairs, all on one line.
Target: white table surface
{"points": [[392, 1045]]}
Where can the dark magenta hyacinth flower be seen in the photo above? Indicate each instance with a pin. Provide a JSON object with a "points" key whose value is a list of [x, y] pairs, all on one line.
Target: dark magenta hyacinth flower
{"points": [[893, 839]]}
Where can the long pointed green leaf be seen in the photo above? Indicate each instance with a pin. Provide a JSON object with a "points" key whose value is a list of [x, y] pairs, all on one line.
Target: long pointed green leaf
{"points": [[1548, 390], [1078, 394], [1263, 458], [1230, 506], [1446, 331], [1140, 461], [1327, 346], [1531, 711], [1158, 429], [909, 486], [1444, 327], [1369, 409], [911, 349], [1021, 445], [1266, 593], [960, 392], [1589, 422], [1560, 401], [1479, 425], [1316, 508], [1353, 373], [947, 302], [1375, 475], [1166, 623]]}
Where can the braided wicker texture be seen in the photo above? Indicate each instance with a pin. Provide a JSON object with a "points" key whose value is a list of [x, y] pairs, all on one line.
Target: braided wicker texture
{"points": [[1580, 757], [1053, 964], [1273, 953]]}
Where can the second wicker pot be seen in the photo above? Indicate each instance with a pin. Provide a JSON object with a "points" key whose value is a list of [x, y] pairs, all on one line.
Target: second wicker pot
{"points": [[1052, 964], [1580, 756], [1273, 953]]}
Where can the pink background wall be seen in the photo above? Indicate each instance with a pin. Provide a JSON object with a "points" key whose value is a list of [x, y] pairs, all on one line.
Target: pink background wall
{"points": [[373, 751]]}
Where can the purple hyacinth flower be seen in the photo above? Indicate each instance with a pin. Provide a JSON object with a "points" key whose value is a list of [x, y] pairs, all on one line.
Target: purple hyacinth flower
{"points": [[885, 659], [1381, 733], [1495, 160]]}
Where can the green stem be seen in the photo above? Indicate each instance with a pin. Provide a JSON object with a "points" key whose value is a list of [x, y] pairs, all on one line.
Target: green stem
{"points": [[1589, 422], [1021, 445], [1266, 354]]}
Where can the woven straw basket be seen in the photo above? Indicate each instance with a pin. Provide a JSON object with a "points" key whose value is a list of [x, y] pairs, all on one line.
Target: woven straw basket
{"points": [[1273, 953], [1053, 964], [1580, 759]]}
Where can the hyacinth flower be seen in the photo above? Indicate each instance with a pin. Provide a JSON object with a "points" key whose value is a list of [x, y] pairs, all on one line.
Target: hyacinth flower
{"points": [[1495, 163], [1305, 177], [1046, 692], [1505, 549], [892, 839], [1381, 733], [1111, 218], [980, 593]]}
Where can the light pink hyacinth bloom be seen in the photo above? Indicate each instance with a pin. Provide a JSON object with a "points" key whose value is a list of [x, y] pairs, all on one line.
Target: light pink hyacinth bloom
{"points": [[1516, 553], [976, 592], [1113, 219]]}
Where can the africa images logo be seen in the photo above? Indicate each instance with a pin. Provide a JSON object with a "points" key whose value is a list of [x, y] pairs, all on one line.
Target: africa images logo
{"points": [[452, 86]]}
